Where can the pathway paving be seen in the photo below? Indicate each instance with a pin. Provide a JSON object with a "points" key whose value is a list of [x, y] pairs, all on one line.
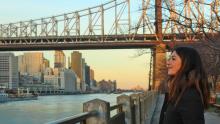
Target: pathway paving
{"points": [[212, 118]]}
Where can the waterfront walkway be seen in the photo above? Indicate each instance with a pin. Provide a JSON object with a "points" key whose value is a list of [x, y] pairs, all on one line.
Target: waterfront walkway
{"points": [[210, 117]]}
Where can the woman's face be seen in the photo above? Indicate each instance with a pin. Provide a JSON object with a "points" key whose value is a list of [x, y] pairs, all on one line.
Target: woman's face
{"points": [[174, 63]]}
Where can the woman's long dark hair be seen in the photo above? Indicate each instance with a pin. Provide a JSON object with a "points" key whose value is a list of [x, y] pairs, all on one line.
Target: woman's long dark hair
{"points": [[191, 74]]}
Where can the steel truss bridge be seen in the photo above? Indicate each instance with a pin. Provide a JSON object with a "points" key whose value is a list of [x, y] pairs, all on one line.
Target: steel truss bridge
{"points": [[116, 24]]}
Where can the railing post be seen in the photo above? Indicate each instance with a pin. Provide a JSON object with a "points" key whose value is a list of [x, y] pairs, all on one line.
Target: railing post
{"points": [[146, 106], [103, 109], [137, 110], [142, 107], [126, 107], [148, 101]]}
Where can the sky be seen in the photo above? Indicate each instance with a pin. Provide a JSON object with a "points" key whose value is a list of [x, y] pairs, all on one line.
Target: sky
{"points": [[119, 65]]}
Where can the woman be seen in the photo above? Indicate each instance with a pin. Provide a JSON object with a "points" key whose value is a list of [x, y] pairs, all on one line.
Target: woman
{"points": [[188, 93]]}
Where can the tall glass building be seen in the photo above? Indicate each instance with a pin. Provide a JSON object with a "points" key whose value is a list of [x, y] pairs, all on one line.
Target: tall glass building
{"points": [[8, 71]]}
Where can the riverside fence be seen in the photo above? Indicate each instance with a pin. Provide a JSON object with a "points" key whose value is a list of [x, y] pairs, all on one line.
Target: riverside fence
{"points": [[132, 109]]}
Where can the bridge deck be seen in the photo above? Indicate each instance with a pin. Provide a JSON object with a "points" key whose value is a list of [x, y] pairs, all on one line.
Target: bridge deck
{"points": [[122, 41]]}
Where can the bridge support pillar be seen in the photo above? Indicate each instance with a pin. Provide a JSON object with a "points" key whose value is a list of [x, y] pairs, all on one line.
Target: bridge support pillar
{"points": [[159, 66]]}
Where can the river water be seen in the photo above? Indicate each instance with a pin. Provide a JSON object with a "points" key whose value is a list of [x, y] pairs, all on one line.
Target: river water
{"points": [[47, 108]]}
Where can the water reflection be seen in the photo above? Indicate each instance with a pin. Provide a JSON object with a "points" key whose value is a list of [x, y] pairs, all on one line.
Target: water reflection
{"points": [[47, 108]]}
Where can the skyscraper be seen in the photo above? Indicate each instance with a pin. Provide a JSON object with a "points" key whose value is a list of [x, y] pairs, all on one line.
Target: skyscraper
{"points": [[87, 76], [69, 80], [92, 75], [83, 82], [92, 78], [21, 64], [8, 71], [60, 60], [69, 63], [31, 63], [46, 63], [76, 63]]}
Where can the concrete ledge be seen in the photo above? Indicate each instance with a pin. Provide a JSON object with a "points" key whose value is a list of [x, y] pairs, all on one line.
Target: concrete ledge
{"points": [[159, 104]]}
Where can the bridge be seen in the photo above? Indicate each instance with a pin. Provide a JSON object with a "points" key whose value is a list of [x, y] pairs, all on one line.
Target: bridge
{"points": [[116, 24]]}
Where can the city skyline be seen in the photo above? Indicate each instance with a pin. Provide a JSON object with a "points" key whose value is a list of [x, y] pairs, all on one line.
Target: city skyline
{"points": [[119, 65], [107, 64]]}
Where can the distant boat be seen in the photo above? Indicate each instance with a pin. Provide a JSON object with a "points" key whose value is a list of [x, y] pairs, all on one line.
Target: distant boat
{"points": [[22, 97]]}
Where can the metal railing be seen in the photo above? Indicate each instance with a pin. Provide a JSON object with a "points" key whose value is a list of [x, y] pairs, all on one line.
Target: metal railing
{"points": [[75, 119], [132, 109]]}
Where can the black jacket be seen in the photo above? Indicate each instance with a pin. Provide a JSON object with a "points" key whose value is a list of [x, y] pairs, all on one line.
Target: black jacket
{"points": [[189, 110]]}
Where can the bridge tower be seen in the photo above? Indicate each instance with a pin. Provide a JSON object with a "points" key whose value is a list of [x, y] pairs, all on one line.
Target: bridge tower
{"points": [[159, 66], [159, 52]]}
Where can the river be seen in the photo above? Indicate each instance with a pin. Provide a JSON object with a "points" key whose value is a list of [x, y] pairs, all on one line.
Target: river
{"points": [[47, 108]]}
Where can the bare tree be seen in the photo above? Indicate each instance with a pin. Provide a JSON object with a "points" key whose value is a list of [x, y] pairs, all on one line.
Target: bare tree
{"points": [[195, 21], [211, 63], [203, 29]]}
